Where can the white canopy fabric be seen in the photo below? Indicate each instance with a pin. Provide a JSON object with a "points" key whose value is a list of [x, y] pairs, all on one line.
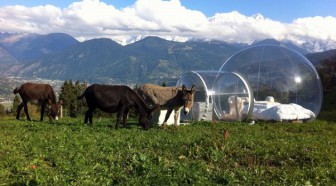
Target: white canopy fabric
{"points": [[270, 110]]}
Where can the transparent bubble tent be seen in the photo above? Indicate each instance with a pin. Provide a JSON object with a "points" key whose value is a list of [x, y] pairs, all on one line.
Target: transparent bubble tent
{"points": [[266, 82], [203, 102]]}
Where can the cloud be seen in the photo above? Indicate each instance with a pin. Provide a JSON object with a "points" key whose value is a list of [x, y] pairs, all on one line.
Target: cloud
{"points": [[315, 27], [23, 19], [240, 28], [89, 19]]}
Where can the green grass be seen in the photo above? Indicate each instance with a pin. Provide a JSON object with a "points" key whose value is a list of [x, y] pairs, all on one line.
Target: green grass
{"points": [[70, 153]]}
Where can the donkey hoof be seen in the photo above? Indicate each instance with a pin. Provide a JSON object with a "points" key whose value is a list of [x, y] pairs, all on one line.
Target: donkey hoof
{"points": [[163, 126]]}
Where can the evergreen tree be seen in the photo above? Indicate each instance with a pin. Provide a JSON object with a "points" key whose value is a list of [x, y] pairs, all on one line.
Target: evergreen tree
{"points": [[81, 106], [69, 92], [64, 95], [16, 103], [327, 72], [72, 98], [2, 110]]}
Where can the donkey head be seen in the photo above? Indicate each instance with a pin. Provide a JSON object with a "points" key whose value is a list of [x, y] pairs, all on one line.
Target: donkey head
{"points": [[188, 98], [55, 110]]}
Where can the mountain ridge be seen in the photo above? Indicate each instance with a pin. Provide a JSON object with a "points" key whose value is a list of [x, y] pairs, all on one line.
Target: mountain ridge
{"points": [[152, 59]]}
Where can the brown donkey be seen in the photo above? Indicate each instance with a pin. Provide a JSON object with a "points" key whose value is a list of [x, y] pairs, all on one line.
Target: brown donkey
{"points": [[41, 94], [171, 98], [116, 99]]}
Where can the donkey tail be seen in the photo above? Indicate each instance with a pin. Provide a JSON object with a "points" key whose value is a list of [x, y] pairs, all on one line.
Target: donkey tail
{"points": [[80, 97], [16, 90]]}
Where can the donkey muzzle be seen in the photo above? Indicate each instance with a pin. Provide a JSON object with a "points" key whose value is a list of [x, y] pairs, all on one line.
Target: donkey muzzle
{"points": [[186, 111]]}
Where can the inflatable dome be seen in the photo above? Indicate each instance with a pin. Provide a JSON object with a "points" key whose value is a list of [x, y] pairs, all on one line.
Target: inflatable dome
{"points": [[232, 97], [219, 92], [203, 103], [276, 76]]}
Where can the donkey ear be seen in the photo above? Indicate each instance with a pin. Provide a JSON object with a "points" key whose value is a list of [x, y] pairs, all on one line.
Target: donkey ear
{"points": [[193, 88], [155, 107], [184, 88]]}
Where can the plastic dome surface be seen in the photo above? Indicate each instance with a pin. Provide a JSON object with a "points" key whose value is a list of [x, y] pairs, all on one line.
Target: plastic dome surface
{"points": [[203, 81], [279, 72], [232, 97]]}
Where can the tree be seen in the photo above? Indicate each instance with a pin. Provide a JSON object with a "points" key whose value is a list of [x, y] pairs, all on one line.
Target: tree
{"points": [[327, 73], [69, 92], [16, 103], [67, 96], [79, 89], [2, 110]]}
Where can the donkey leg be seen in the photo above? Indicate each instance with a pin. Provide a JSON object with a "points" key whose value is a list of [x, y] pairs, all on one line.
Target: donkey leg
{"points": [[125, 117], [86, 119], [19, 110], [119, 113], [25, 108], [43, 105], [176, 114], [88, 116], [169, 111], [118, 120], [91, 109]]}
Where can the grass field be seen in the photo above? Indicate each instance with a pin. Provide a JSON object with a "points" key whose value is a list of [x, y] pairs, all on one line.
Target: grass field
{"points": [[70, 153]]}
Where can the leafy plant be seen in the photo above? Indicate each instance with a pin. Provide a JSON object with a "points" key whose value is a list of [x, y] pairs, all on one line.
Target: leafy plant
{"points": [[68, 152]]}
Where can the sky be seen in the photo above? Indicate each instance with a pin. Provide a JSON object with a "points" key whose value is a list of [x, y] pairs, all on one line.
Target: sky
{"points": [[125, 20]]}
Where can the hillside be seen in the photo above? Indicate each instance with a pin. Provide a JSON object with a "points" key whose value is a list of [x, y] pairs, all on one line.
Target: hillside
{"points": [[103, 60], [152, 59], [6, 58], [33, 46], [317, 58]]}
